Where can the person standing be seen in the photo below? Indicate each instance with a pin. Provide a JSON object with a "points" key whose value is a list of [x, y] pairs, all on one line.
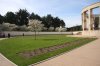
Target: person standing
{"points": [[8, 35]]}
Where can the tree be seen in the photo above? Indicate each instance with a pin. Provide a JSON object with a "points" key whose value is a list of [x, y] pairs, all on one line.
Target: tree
{"points": [[56, 22], [21, 28], [34, 16], [44, 21], [10, 17], [47, 21], [75, 28], [51, 28], [35, 25], [50, 21], [1, 19], [61, 29], [7, 27], [22, 17], [62, 23]]}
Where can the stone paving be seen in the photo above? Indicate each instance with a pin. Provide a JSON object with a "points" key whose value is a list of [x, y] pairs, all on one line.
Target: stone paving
{"points": [[87, 55], [5, 62]]}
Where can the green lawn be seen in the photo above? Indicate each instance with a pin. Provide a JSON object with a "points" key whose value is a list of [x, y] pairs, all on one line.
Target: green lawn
{"points": [[11, 47]]}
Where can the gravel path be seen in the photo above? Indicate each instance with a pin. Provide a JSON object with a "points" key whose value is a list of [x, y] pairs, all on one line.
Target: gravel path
{"points": [[87, 55]]}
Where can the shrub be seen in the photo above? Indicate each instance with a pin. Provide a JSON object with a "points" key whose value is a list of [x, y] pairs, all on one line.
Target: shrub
{"points": [[51, 29]]}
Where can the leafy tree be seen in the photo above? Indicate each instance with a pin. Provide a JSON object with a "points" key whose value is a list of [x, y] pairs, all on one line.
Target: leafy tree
{"points": [[22, 17], [50, 21], [56, 23], [10, 17], [1, 19], [44, 21], [34, 16], [7, 27], [35, 25], [21, 28], [47, 21], [61, 29], [75, 28], [51, 28], [62, 23]]}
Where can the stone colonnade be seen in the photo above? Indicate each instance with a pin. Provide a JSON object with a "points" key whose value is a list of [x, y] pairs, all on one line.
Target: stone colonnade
{"points": [[88, 18]]}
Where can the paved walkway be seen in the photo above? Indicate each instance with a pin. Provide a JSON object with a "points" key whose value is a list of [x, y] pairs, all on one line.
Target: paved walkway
{"points": [[82, 36], [87, 55], [4, 61]]}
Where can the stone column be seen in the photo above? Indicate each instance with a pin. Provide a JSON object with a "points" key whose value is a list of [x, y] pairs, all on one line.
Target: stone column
{"points": [[92, 21], [99, 22], [85, 21], [99, 18], [82, 21], [90, 18]]}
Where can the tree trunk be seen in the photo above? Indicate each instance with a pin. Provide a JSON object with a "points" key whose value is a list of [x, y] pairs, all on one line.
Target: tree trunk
{"points": [[35, 34]]}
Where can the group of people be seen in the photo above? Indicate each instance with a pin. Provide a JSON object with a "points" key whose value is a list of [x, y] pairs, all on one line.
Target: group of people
{"points": [[3, 35]]}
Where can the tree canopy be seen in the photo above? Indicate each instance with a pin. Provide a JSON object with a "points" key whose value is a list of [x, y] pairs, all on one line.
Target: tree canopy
{"points": [[1, 19], [50, 21], [10, 17], [22, 17]]}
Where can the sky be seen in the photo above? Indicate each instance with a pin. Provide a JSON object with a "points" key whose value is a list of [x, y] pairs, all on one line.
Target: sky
{"points": [[68, 10]]}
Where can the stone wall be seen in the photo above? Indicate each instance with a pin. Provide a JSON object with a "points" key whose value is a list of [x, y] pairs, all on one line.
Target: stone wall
{"points": [[91, 33], [16, 33]]}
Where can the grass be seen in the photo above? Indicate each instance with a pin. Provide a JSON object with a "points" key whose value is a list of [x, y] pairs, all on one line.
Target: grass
{"points": [[10, 47]]}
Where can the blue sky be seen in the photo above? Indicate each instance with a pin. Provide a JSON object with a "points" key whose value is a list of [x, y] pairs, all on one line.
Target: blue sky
{"points": [[68, 10]]}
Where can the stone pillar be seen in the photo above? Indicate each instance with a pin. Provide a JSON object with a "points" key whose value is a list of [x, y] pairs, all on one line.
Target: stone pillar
{"points": [[85, 21], [92, 21], [82, 21], [90, 18], [99, 22]]}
